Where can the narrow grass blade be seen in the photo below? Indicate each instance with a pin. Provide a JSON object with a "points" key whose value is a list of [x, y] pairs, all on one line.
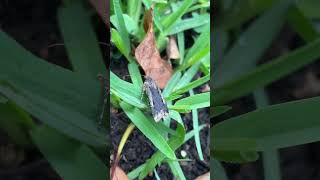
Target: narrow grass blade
{"points": [[201, 42], [218, 110], [70, 159], [302, 25], [80, 40], [176, 169], [192, 85], [134, 10], [60, 117], [171, 84], [148, 129], [122, 28], [195, 124], [248, 49], [168, 21], [189, 23], [135, 173], [16, 123], [126, 91], [197, 101], [174, 142], [217, 170], [267, 73], [187, 76], [131, 26], [118, 41], [135, 75], [273, 127], [56, 95]]}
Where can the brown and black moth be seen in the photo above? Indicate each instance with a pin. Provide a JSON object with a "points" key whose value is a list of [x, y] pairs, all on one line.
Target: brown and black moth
{"points": [[157, 103]]}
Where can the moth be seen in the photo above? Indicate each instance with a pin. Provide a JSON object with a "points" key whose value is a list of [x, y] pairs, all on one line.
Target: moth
{"points": [[157, 103]]}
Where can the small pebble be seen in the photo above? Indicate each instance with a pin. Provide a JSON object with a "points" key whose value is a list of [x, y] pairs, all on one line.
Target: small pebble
{"points": [[183, 153]]}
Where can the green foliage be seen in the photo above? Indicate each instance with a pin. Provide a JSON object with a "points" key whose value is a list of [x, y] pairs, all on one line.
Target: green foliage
{"points": [[65, 102], [170, 18], [236, 74]]}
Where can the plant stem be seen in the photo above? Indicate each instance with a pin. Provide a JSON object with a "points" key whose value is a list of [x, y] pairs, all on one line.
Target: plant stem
{"points": [[271, 164]]}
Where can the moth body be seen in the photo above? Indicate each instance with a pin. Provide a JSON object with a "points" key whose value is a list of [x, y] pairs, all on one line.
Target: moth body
{"points": [[157, 103]]}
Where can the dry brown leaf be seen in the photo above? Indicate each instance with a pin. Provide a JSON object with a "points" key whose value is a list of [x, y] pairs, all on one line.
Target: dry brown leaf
{"points": [[102, 7], [119, 174], [172, 49], [205, 176], [149, 57]]}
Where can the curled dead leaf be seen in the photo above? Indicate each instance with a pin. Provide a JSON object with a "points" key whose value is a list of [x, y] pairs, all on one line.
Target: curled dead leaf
{"points": [[119, 174], [172, 49], [205, 176], [149, 57], [102, 7]]}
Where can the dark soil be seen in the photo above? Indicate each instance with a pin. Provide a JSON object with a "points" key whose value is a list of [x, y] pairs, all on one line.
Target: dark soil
{"points": [[299, 162], [138, 148], [33, 24]]}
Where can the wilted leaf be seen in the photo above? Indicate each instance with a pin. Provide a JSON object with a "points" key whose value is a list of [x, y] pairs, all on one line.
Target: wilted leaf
{"points": [[205, 176], [172, 49], [149, 57], [102, 8], [119, 174]]}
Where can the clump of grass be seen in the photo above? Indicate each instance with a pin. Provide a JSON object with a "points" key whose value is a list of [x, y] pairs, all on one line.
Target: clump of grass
{"points": [[170, 19]]}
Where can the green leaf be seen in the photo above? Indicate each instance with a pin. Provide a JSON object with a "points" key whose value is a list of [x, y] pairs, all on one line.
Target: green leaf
{"points": [[218, 110], [135, 75], [168, 21], [148, 128], [174, 142], [122, 28], [200, 43], [241, 12], [16, 123], [310, 8], [135, 173], [189, 23], [273, 127], [197, 57], [302, 25], [197, 101], [195, 124], [218, 171], [239, 157], [80, 40], [134, 10], [70, 159], [171, 84], [55, 96], [248, 49], [267, 73], [130, 24], [126, 91], [187, 76], [192, 85], [118, 41]]}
